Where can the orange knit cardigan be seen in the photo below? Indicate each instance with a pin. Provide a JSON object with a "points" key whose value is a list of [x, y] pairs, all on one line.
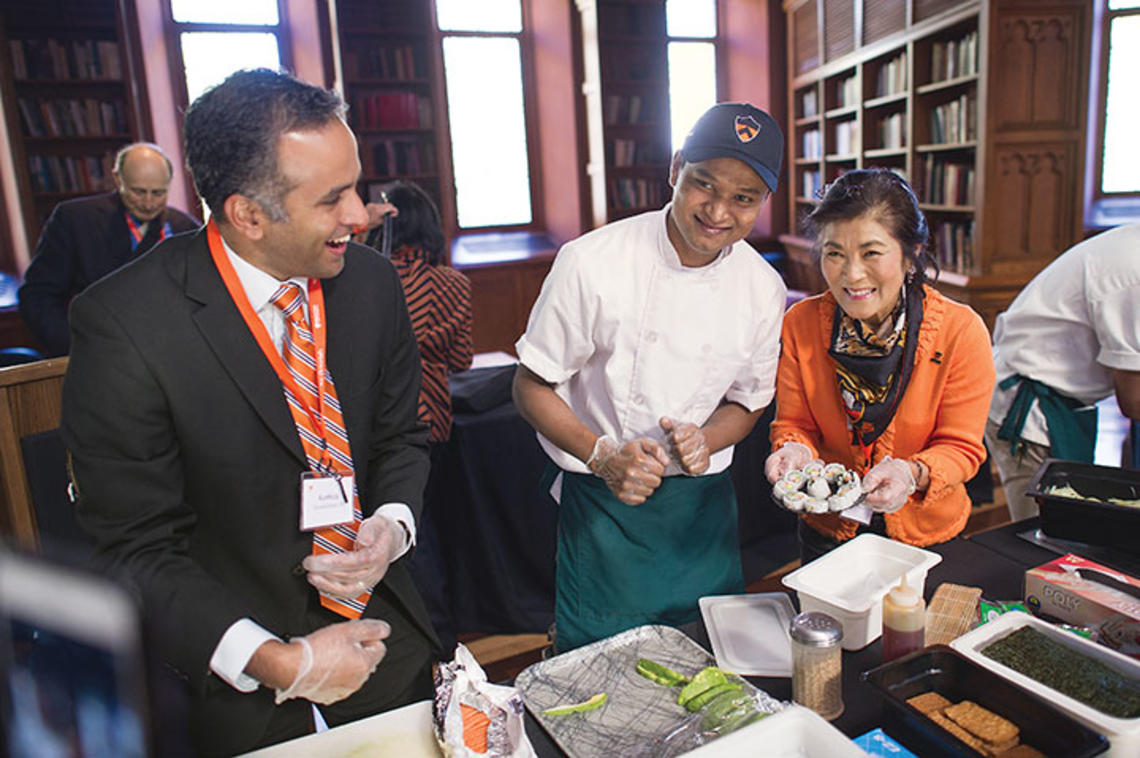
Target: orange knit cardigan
{"points": [[939, 420]]}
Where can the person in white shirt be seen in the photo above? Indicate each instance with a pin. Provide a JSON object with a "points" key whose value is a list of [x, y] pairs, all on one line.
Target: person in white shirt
{"points": [[651, 351], [1070, 339]]}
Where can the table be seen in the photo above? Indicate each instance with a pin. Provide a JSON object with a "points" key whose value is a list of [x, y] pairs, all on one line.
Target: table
{"points": [[996, 562]]}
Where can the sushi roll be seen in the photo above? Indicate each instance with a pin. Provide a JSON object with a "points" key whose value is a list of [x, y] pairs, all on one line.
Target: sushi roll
{"points": [[814, 469], [795, 501], [832, 472], [835, 503], [846, 496], [848, 477], [795, 477], [818, 487], [782, 489], [815, 505]]}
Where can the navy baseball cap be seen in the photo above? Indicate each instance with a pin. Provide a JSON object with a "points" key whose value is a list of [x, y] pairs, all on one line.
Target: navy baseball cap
{"points": [[741, 131]]}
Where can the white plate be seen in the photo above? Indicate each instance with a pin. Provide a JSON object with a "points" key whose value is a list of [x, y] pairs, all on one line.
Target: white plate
{"points": [[403, 733], [792, 733], [749, 633]]}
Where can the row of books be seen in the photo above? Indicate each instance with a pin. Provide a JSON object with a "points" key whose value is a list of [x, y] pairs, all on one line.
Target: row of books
{"points": [[947, 182], [628, 152], [395, 157], [813, 143], [892, 131], [812, 182], [953, 243], [401, 62], [846, 92], [66, 173], [629, 109], [955, 121], [636, 193], [954, 58], [53, 59], [636, 64], [846, 137], [809, 103], [88, 117], [392, 110], [891, 77], [391, 15]]}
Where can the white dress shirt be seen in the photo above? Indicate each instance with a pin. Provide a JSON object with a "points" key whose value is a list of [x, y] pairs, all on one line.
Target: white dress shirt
{"points": [[627, 334], [245, 636]]}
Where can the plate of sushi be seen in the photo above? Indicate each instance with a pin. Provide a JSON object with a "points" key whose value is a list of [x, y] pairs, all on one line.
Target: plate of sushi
{"points": [[819, 488]]}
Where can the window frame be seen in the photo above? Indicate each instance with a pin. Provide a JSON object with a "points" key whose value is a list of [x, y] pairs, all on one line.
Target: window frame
{"points": [[1104, 210], [173, 31], [525, 38], [720, 57]]}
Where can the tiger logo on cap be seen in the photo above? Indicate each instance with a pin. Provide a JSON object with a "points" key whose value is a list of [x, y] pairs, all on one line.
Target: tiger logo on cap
{"points": [[747, 128]]}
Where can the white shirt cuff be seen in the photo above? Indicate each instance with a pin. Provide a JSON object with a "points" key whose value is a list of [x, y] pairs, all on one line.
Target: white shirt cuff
{"points": [[401, 514], [234, 650]]}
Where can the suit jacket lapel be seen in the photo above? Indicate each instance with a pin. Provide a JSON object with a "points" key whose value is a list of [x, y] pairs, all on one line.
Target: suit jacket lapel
{"points": [[223, 328]]}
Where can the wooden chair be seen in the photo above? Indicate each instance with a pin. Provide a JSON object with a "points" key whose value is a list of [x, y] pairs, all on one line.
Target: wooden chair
{"points": [[30, 400]]}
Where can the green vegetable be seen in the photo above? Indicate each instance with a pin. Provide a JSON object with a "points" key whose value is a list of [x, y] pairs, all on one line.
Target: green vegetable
{"points": [[586, 705], [725, 704], [706, 678], [701, 699], [661, 674]]}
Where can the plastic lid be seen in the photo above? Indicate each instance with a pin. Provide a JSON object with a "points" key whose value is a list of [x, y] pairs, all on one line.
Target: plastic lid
{"points": [[904, 595], [816, 629]]}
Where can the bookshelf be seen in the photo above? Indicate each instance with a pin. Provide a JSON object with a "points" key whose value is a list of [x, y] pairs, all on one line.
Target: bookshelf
{"points": [[70, 101], [393, 84], [978, 104], [628, 74]]}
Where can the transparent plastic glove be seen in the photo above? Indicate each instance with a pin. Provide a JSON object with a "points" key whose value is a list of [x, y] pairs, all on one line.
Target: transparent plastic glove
{"points": [[345, 575], [690, 447], [632, 470], [791, 455], [888, 484], [336, 660]]}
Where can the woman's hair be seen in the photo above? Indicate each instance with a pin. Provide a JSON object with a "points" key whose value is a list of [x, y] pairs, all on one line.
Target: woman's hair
{"points": [[886, 196], [417, 224]]}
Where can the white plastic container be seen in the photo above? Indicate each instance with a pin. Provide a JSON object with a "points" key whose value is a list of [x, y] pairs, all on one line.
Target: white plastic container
{"points": [[849, 583], [792, 733], [1123, 734]]}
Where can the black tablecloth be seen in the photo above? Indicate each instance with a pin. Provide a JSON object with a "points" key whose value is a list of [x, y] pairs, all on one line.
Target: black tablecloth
{"points": [[997, 564]]}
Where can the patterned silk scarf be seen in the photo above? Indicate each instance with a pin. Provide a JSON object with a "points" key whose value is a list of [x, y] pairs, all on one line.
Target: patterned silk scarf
{"points": [[873, 371]]}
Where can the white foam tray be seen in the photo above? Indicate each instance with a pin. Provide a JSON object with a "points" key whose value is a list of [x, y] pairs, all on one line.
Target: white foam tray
{"points": [[849, 582], [792, 733], [749, 633], [1123, 734]]}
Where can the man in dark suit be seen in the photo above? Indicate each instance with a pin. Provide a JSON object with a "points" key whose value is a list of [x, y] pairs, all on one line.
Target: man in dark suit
{"points": [[84, 240], [193, 447]]}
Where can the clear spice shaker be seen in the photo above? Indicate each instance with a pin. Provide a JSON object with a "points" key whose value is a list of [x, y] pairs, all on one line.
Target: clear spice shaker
{"points": [[817, 663]]}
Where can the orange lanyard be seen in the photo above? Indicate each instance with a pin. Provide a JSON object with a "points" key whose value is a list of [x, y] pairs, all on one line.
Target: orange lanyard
{"points": [[261, 334]]}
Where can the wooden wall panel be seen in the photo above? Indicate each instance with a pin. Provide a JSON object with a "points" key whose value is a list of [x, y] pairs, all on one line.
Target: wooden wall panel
{"points": [[805, 43], [1039, 53], [838, 28], [924, 9], [882, 18], [1031, 209]]}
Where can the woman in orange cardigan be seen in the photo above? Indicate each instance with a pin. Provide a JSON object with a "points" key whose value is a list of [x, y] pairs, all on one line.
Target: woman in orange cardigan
{"points": [[882, 373]]}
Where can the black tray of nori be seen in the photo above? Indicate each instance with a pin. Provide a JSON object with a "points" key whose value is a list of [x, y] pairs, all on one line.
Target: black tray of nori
{"points": [[1097, 523], [940, 669]]}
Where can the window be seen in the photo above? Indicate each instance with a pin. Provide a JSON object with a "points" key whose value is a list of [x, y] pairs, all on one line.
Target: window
{"points": [[484, 69], [1115, 169], [214, 38], [692, 30]]}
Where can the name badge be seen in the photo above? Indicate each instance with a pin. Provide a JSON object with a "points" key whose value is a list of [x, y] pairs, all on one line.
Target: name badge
{"points": [[326, 500]]}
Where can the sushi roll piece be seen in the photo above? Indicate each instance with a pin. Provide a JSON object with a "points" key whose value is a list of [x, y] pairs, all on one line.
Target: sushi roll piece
{"points": [[795, 501], [847, 495], [815, 505], [818, 487], [835, 503], [782, 489], [795, 477], [814, 469], [833, 471], [848, 477]]}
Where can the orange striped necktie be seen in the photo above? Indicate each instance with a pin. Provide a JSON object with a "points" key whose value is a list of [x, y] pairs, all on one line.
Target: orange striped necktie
{"points": [[300, 357]]}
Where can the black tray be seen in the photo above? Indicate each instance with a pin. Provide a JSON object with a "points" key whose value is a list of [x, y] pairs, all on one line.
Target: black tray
{"points": [[943, 670], [1085, 520]]}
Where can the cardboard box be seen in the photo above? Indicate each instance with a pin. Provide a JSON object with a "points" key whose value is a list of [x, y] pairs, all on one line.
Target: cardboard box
{"points": [[1083, 593]]}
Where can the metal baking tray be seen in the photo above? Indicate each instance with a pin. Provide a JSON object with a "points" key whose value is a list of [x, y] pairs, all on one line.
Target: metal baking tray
{"points": [[1091, 521], [638, 715]]}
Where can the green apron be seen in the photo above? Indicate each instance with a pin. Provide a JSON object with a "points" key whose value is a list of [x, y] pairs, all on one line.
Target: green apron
{"points": [[622, 566], [1070, 423]]}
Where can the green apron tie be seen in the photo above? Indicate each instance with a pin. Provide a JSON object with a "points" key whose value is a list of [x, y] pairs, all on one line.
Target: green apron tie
{"points": [[620, 566], [1070, 423]]}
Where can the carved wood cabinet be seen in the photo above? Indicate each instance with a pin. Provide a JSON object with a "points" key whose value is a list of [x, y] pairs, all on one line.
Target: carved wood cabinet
{"points": [[981, 105]]}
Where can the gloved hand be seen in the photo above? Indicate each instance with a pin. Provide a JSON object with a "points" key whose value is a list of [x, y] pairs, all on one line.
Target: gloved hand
{"points": [[336, 660], [791, 455], [690, 447], [888, 484], [378, 212], [632, 470], [346, 575]]}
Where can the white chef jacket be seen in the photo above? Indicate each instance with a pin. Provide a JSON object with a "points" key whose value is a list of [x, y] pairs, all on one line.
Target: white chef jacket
{"points": [[627, 334], [1072, 325]]}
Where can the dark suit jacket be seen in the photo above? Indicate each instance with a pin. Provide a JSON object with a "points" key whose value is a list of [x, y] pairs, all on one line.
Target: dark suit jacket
{"points": [[188, 464], [82, 241]]}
